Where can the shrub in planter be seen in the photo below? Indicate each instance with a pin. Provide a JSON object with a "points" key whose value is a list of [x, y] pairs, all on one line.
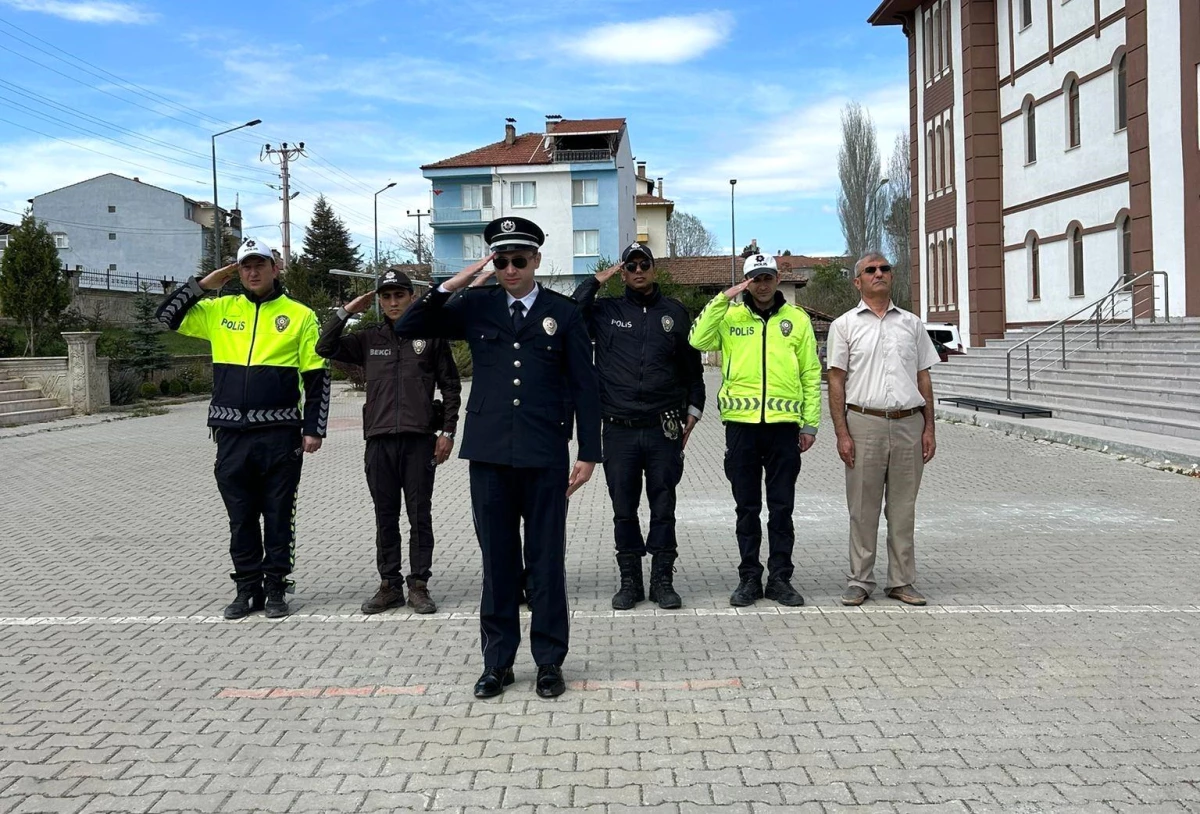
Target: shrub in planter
{"points": [[175, 387], [201, 385], [149, 390], [164, 387]]}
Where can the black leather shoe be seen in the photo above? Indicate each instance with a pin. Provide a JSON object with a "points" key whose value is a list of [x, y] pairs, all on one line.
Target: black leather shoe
{"points": [[493, 681], [550, 682], [782, 592], [746, 592]]}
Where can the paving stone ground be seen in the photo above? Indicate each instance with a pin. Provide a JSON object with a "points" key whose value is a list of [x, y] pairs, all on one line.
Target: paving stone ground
{"points": [[1057, 668]]}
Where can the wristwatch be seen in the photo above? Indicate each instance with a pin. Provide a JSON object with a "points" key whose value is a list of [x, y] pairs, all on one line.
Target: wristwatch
{"points": [[449, 435]]}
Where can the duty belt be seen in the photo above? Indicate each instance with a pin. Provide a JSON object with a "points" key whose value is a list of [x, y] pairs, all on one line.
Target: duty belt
{"points": [[885, 413], [632, 423]]}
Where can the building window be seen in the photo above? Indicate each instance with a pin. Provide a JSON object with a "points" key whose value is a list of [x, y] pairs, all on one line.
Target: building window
{"points": [[3, 241], [585, 192], [947, 38], [112, 235], [111, 209], [1072, 95], [1075, 239], [1026, 13], [477, 196], [952, 266], [60, 241], [1033, 247], [189, 210], [112, 266], [1122, 95], [937, 40], [935, 299], [1030, 131], [949, 179], [930, 155], [941, 166], [472, 247], [928, 50], [1125, 230], [524, 193], [587, 243]]}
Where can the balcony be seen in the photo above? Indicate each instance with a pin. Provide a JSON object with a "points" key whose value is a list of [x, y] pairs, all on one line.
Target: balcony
{"points": [[580, 156], [446, 215]]}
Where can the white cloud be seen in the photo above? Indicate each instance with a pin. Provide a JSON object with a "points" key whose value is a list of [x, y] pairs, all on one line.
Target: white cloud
{"points": [[663, 40], [86, 11]]}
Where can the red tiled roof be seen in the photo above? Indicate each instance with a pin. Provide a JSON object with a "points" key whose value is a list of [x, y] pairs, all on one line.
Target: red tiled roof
{"points": [[526, 149], [580, 126], [715, 270], [653, 200]]}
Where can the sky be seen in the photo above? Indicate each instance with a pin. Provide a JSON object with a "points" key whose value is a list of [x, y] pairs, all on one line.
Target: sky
{"points": [[751, 90]]}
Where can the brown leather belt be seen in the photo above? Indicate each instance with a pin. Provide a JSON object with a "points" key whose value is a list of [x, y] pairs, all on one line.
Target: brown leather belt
{"points": [[884, 413]]}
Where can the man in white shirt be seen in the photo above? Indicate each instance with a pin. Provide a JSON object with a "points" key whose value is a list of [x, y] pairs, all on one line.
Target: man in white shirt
{"points": [[881, 401]]}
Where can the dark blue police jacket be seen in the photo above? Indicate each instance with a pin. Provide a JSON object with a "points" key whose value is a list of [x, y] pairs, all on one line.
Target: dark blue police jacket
{"points": [[522, 383]]}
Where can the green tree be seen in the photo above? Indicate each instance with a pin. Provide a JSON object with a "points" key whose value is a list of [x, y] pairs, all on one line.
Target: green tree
{"points": [[302, 285], [829, 290], [34, 290], [147, 353], [327, 246]]}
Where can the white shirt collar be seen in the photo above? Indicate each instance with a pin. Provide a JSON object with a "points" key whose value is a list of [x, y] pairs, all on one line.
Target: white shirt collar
{"points": [[527, 300], [862, 306]]}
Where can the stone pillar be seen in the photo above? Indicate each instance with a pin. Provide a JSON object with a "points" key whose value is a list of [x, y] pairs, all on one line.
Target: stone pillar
{"points": [[87, 380]]}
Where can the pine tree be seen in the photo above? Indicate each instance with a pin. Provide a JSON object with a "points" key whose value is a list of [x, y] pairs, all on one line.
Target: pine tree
{"points": [[34, 289], [327, 246], [147, 352]]}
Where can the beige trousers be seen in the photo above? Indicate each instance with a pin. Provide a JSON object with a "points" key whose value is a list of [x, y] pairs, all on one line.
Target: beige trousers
{"points": [[887, 464]]}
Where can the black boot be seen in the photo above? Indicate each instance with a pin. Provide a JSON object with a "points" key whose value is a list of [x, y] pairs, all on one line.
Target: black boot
{"points": [[249, 598], [389, 595], [748, 590], [632, 590], [276, 606], [662, 591]]}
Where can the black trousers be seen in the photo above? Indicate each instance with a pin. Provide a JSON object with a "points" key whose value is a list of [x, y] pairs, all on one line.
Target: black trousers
{"points": [[402, 464], [502, 497], [631, 455], [750, 451], [258, 474]]}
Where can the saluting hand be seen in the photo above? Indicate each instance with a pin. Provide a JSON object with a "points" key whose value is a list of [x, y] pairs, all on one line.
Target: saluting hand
{"points": [[359, 304], [482, 278], [606, 275], [730, 293], [461, 279], [220, 277], [580, 475]]}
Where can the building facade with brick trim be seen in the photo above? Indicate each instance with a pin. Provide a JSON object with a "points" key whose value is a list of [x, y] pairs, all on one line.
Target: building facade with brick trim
{"points": [[1055, 150]]}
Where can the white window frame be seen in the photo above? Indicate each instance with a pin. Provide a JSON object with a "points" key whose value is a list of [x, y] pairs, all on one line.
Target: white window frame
{"points": [[584, 234], [583, 185], [61, 241], [474, 240], [473, 196], [525, 201]]}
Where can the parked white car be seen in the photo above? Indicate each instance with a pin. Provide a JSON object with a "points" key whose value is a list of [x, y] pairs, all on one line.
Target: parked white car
{"points": [[945, 335]]}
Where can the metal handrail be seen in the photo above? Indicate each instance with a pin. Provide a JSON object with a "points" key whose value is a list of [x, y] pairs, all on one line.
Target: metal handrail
{"points": [[1095, 307]]}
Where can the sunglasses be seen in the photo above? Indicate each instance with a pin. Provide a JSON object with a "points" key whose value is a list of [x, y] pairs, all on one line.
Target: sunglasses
{"points": [[873, 269], [501, 263], [634, 265]]}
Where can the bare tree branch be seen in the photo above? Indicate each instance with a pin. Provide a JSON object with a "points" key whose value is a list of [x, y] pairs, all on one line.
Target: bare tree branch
{"points": [[861, 207], [896, 225], [687, 236]]}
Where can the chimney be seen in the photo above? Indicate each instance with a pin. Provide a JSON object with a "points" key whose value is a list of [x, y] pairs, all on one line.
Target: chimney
{"points": [[510, 132], [660, 188], [641, 169], [137, 180]]}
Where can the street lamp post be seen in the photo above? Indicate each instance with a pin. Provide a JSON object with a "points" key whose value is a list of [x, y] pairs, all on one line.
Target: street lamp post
{"points": [[732, 236], [216, 209], [385, 189]]}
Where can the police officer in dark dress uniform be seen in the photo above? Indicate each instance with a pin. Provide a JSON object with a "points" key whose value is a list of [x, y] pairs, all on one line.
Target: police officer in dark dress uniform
{"points": [[531, 356], [651, 396]]}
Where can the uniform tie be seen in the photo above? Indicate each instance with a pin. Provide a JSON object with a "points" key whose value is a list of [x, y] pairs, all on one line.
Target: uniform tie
{"points": [[518, 313]]}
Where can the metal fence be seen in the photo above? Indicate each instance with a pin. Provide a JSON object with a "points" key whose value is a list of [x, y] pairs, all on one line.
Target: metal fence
{"points": [[111, 281]]}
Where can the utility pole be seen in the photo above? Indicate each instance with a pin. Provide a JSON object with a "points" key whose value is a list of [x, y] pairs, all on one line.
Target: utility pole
{"points": [[418, 215], [285, 154], [732, 235]]}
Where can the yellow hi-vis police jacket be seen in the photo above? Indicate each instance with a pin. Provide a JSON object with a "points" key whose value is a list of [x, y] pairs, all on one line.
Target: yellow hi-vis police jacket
{"points": [[264, 353], [769, 364]]}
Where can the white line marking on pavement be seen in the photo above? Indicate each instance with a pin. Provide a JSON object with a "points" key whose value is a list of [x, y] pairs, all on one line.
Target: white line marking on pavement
{"points": [[460, 616]]}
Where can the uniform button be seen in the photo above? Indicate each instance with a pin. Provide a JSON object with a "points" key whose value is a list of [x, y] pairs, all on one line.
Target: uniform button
{"points": [[516, 402], [517, 363], [516, 345], [516, 382]]}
